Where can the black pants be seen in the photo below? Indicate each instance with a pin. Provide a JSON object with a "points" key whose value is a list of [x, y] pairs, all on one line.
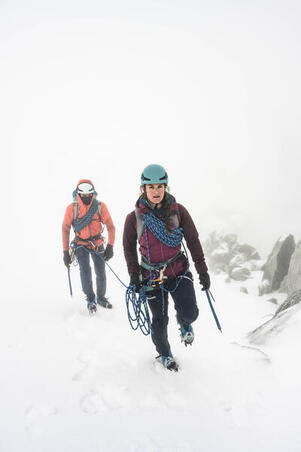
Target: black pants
{"points": [[185, 305]]}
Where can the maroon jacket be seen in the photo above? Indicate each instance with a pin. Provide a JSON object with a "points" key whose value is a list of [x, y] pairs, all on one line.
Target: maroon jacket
{"points": [[190, 234]]}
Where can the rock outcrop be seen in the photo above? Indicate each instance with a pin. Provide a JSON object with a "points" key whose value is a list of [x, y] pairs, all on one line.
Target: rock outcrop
{"points": [[293, 299], [277, 265], [293, 282], [225, 254], [282, 317]]}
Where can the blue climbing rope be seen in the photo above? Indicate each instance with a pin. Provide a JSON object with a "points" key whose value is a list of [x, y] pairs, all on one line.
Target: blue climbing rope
{"points": [[138, 313], [79, 223], [137, 309], [158, 228]]}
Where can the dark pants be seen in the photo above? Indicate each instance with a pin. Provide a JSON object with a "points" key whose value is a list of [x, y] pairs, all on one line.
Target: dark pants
{"points": [[83, 257], [185, 305]]}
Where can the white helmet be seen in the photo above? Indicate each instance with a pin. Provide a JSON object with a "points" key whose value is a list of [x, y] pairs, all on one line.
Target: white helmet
{"points": [[85, 189]]}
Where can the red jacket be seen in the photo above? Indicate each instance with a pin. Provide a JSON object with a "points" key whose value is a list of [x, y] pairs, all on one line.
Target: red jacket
{"points": [[92, 229]]}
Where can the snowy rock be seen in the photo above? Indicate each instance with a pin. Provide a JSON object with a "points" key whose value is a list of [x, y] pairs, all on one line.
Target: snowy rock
{"points": [[225, 254], [272, 300], [277, 265], [294, 271], [293, 299], [249, 252], [240, 273], [265, 287], [283, 316], [283, 288], [244, 290]]}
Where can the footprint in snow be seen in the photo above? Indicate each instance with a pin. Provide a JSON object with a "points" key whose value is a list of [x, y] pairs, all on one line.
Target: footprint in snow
{"points": [[92, 403], [34, 416]]}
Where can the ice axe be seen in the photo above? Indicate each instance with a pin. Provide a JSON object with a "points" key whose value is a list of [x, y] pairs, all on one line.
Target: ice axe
{"points": [[69, 279], [208, 293]]}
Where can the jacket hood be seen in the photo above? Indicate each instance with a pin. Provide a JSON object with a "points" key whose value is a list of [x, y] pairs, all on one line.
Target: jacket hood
{"points": [[85, 207], [88, 181]]}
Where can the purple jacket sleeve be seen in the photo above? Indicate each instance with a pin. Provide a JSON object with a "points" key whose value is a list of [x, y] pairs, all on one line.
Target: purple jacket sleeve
{"points": [[130, 243], [192, 239]]}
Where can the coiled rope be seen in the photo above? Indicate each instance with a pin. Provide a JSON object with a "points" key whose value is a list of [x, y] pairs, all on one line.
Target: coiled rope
{"points": [[137, 309], [158, 228], [80, 223]]}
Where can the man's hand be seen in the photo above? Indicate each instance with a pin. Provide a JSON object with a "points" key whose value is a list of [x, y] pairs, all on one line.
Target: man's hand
{"points": [[108, 252], [67, 258]]}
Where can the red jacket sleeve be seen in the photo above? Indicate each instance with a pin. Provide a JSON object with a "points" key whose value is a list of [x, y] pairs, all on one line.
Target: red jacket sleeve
{"points": [[67, 222], [107, 220]]}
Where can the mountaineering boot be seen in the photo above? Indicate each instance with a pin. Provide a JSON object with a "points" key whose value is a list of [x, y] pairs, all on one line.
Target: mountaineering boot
{"points": [[105, 303], [187, 335], [92, 308], [169, 362]]}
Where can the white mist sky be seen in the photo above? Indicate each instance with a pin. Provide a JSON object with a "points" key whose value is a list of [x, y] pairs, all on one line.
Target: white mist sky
{"points": [[210, 90]]}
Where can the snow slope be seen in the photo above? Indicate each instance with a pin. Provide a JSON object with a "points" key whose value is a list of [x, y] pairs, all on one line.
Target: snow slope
{"points": [[71, 382]]}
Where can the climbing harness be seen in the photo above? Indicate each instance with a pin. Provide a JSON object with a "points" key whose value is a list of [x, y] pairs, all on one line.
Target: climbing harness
{"points": [[79, 223], [172, 239], [91, 241]]}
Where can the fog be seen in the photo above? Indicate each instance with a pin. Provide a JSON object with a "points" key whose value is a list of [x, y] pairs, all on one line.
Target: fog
{"points": [[99, 90]]}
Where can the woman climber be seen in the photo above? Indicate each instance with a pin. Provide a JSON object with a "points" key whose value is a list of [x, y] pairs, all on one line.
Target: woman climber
{"points": [[158, 224]]}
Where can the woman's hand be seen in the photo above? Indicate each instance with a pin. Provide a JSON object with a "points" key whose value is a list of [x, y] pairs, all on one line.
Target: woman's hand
{"points": [[204, 280]]}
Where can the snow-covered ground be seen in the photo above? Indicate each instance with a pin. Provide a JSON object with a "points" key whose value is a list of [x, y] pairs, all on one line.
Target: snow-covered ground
{"points": [[70, 382], [98, 89]]}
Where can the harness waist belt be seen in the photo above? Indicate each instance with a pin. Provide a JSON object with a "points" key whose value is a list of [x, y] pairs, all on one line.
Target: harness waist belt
{"points": [[158, 266], [90, 239]]}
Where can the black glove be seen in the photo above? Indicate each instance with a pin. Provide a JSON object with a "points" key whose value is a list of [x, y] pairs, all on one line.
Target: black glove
{"points": [[205, 280], [67, 258], [136, 281], [108, 252]]}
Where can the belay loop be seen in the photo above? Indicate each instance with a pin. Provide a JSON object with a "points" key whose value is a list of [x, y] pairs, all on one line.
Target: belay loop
{"points": [[158, 228]]}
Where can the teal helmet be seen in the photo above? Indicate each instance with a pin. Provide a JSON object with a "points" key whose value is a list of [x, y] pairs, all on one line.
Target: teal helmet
{"points": [[154, 174]]}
